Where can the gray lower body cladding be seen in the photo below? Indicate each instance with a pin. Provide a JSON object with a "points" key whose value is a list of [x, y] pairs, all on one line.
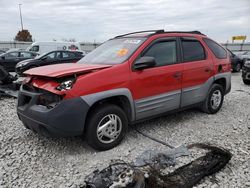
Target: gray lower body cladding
{"points": [[65, 119], [151, 106], [179, 99]]}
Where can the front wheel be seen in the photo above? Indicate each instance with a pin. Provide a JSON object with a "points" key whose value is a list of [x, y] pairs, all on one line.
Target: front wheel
{"points": [[214, 100], [106, 127]]}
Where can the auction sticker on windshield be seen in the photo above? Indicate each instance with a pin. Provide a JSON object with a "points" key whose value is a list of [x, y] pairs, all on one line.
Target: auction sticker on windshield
{"points": [[132, 41]]}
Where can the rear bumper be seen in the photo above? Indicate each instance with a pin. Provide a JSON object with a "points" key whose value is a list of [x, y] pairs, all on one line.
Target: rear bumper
{"points": [[67, 118]]}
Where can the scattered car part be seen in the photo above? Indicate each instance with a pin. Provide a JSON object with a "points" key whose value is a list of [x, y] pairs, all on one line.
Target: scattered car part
{"points": [[9, 85], [127, 79], [10, 90], [6, 77], [150, 173]]}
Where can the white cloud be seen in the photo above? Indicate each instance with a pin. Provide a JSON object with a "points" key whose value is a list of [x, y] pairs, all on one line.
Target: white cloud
{"points": [[88, 20]]}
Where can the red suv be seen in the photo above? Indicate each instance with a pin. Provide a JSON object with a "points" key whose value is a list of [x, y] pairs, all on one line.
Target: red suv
{"points": [[127, 79]]}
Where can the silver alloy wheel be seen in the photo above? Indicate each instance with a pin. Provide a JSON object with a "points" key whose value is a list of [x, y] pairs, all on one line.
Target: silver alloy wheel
{"points": [[216, 99], [109, 128]]}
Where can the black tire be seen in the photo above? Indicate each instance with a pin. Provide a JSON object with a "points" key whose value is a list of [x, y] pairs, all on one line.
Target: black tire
{"points": [[247, 82], [208, 106], [237, 67], [97, 116]]}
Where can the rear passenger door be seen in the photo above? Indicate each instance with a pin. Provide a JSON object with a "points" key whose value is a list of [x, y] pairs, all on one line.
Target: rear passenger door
{"points": [[158, 89], [197, 71]]}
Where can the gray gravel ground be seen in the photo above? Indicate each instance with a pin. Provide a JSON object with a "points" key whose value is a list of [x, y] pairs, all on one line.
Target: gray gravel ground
{"points": [[30, 160]]}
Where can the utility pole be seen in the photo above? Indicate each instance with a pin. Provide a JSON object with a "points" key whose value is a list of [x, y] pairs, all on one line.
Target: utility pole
{"points": [[20, 12]]}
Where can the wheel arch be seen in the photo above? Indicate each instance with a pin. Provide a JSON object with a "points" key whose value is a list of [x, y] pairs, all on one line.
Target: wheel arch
{"points": [[222, 82], [223, 79], [120, 97]]}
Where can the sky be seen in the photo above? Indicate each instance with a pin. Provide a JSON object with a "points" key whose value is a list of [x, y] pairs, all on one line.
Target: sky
{"points": [[100, 20]]}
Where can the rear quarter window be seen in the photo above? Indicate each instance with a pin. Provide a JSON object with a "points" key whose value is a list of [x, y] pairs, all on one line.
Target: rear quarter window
{"points": [[217, 50]]}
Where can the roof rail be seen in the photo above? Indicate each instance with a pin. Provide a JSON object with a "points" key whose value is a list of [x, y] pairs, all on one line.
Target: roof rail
{"points": [[153, 32], [147, 31], [191, 32]]}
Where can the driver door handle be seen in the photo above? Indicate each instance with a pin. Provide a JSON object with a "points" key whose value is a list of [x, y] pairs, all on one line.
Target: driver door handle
{"points": [[177, 75]]}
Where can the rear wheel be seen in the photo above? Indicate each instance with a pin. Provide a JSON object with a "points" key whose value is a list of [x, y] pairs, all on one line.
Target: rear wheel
{"points": [[247, 82], [214, 100], [106, 127]]}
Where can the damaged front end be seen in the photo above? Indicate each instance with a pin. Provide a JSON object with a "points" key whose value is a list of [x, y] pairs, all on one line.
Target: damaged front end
{"points": [[43, 108], [147, 170]]}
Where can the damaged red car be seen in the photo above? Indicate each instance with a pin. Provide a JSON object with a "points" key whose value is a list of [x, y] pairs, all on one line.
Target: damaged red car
{"points": [[127, 79]]}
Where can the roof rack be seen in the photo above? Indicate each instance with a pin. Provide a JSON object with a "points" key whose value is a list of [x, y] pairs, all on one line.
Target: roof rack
{"points": [[153, 32], [191, 32], [146, 31]]}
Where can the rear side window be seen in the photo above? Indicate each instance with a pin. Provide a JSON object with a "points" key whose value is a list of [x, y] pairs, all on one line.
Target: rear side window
{"points": [[192, 50], [164, 52], [217, 50]]}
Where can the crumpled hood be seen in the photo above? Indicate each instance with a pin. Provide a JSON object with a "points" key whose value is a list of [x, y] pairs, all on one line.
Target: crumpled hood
{"points": [[61, 70]]}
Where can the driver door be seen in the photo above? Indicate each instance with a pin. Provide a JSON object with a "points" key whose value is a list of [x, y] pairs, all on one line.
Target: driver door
{"points": [[158, 89]]}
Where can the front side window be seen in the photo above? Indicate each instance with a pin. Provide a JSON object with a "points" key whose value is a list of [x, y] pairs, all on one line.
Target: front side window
{"points": [[113, 52], [192, 50], [164, 52], [217, 50]]}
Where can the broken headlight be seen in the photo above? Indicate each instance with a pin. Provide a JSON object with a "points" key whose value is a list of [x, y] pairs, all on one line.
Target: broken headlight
{"points": [[50, 100], [66, 84]]}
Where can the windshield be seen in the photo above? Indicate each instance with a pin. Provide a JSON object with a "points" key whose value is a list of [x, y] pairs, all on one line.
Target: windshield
{"points": [[113, 52]]}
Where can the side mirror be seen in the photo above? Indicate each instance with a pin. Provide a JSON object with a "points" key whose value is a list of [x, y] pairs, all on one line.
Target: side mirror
{"points": [[144, 63]]}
